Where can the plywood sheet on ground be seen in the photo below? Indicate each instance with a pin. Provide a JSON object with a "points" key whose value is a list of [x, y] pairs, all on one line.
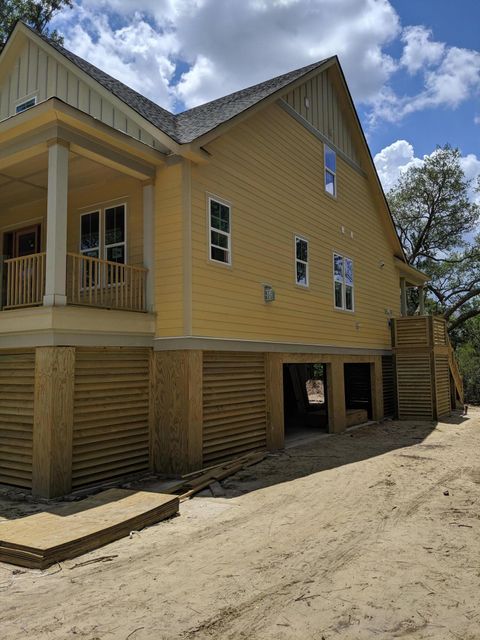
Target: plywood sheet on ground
{"points": [[42, 539]]}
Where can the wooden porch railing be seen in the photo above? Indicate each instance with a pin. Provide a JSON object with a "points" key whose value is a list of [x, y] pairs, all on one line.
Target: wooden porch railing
{"points": [[102, 283], [25, 281]]}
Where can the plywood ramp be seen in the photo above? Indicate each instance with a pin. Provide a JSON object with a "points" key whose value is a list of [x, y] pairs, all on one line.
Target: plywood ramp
{"points": [[17, 377], [39, 540], [111, 427], [234, 404]]}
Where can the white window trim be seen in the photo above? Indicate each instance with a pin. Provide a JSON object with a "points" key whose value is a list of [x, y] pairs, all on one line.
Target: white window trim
{"points": [[23, 100], [344, 286], [326, 170], [299, 284], [102, 249], [212, 198]]}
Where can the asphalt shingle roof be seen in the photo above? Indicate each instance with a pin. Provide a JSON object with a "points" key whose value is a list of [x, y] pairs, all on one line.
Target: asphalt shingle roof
{"points": [[188, 125]]}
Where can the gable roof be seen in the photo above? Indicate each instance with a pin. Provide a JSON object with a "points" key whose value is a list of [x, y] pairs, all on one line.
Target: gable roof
{"points": [[189, 125]]}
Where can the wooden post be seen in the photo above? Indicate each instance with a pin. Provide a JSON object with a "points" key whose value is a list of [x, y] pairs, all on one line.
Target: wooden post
{"points": [[275, 401], [176, 411], [403, 297], [53, 421], [421, 300], [337, 417], [56, 264], [148, 242], [376, 385]]}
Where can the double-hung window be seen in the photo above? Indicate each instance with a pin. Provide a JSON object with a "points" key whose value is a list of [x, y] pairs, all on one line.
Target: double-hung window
{"points": [[301, 261], [343, 282], [330, 171], [219, 215]]}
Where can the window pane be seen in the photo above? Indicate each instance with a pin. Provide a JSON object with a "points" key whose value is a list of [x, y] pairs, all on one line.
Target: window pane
{"points": [[349, 298], [114, 225], [89, 231], [339, 295], [301, 273], [219, 254], [338, 267], [330, 159], [348, 271], [302, 250], [116, 254], [329, 183], [219, 216], [219, 239]]}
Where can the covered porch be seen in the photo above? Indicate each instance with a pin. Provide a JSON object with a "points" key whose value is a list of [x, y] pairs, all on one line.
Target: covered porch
{"points": [[76, 214]]}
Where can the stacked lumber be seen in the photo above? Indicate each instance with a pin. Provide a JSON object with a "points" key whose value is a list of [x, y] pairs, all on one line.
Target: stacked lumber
{"points": [[192, 483], [42, 539]]}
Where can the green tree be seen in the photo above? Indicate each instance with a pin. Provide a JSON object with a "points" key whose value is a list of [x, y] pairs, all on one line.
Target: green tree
{"points": [[436, 219], [36, 13], [467, 341]]}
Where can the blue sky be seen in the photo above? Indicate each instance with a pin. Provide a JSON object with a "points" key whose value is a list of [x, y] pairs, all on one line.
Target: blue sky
{"points": [[413, 66]]}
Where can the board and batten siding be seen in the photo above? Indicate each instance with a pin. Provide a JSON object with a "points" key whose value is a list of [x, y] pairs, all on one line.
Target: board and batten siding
{"points": [[324, 111], [271, 169], [17, 379], [36, 72], [111, 419]]}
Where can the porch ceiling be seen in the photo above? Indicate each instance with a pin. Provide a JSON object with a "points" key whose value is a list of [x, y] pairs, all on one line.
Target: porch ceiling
{"points": [[27, 181]]}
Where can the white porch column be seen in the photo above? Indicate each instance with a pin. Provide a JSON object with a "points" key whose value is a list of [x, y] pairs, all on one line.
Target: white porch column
{"points": [[403, 297], [56, 261], [421, 300], [149, 241]]}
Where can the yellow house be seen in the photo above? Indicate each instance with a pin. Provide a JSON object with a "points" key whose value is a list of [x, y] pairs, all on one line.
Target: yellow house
{"points": [[169, 280]]}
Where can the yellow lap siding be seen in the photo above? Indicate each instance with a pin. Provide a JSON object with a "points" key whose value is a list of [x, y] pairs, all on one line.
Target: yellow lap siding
{"points": [[270, 169]]}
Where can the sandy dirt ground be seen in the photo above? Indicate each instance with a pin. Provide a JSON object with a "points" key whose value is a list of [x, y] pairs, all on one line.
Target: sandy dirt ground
{"points": [[374, 533]]}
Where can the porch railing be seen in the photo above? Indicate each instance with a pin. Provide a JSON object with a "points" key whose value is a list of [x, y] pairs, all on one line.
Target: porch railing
{"points": [[90, 281], [102, 283], [25, 281]]}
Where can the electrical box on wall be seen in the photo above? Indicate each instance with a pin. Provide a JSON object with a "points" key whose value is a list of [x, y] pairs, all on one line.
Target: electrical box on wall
{"points": [[268, 293]]}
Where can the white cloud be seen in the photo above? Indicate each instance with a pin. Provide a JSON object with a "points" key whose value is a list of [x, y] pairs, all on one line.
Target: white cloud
{"points": [[419, 50], [228, 44], [393, 160], [399, 156], [454, 80]]}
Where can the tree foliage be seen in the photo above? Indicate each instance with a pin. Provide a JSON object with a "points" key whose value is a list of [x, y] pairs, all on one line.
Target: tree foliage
{"points": [[467, 342], [436, 220], [36, 13]]}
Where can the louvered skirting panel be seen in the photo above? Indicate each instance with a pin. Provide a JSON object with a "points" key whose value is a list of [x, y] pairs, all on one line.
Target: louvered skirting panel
{"points": [[110, 433], [410, 331], [388, 386], [414, 386], [234, 404], [442, 378], [439, 331], [17, 376]]}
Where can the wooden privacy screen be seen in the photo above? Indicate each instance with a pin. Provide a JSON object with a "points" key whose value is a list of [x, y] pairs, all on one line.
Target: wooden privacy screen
{"points": [[110, 431], [17, 375], [414, 386], [442, 381], [234, 404]]}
